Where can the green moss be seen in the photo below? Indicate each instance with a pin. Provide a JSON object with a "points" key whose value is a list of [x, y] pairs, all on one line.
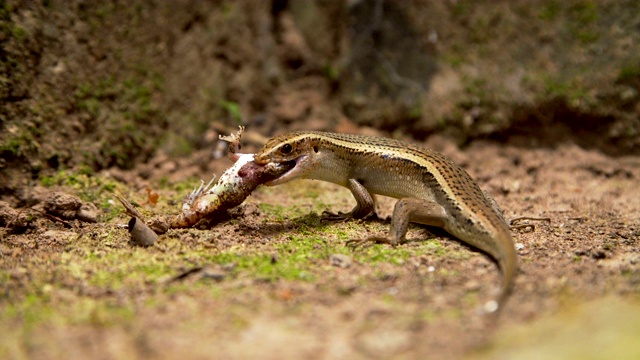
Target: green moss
{"points": [[471, 299], [475, 86], [133, 126], [588, 37], [570, 90], [136, 92], [8, 28], [102, 11], [434, 247], [101, 313], [383, 253], [90, 188], [288, 266], [330, 72], [462, 8], [454, 59], [107, 279], [311, 194], [550, 11], [12, 146], [21, 143], [415, 111], [5, 10], [32, 311], [90, 96], [629, 72], [582, 17], [19, 33], [278, 211], [584, 12]]}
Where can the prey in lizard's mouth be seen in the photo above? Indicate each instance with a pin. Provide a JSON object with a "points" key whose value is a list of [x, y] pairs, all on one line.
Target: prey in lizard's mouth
{"points": [[291, 173]]}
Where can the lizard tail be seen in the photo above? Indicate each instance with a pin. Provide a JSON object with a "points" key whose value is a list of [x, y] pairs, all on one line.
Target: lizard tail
{"points": [[507, 259]]}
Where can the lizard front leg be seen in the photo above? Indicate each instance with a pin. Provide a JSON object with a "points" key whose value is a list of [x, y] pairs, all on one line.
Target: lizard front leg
{"points": [[405, 211], [365, 204]]}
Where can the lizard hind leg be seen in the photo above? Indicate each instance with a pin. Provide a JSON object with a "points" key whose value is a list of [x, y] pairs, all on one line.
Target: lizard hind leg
{"points": [[405, 211]]}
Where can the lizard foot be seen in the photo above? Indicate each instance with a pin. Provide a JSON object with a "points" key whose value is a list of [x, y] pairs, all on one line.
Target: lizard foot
{"points": [[340, 216]]}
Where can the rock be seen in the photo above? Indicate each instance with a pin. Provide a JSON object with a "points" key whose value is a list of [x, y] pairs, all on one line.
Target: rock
{"points": [[62, 205], [69, 207], [159, 226], [7, 214], [88, 213]]}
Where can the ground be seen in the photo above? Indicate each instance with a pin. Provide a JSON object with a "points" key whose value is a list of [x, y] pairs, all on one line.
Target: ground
{"points": [[96, 108], [272, 286]]}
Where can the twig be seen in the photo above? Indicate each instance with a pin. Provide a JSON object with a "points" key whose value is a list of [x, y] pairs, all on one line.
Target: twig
{"points": [[51, 217], [129, 209], [512, 222]]}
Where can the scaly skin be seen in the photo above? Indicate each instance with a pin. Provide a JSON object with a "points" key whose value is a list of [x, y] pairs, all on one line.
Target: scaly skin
{"points": [[431, 188]]}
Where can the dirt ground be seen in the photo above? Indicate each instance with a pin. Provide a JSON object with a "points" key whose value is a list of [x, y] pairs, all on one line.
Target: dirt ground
{"points": [[86, 291], [117, 99]]}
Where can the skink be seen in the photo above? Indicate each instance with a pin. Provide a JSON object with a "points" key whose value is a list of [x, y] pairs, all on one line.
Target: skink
{"points": [[431, 189]]}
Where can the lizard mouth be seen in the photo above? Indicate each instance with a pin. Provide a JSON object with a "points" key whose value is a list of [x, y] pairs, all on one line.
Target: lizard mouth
{"points": [[289, 174]]}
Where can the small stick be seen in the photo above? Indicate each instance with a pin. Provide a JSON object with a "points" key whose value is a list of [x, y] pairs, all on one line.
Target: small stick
{"points": [[51, 217], [129, 209]]}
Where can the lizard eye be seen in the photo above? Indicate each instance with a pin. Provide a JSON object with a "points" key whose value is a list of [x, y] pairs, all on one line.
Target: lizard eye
{"points": [[286, 149]]}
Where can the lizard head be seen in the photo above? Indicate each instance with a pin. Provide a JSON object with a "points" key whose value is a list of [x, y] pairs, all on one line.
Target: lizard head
{"points": [[297, 146]]}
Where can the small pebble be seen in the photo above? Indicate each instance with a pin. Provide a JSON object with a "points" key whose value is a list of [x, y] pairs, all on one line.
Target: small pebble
{"points": [[490, 306], [340, 260], [87, 213]]}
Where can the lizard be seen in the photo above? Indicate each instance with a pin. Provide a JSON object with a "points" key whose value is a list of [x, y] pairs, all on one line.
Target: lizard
{"points": [[431, 188]]}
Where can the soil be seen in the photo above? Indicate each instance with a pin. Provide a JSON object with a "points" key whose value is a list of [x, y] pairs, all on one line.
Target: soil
{"points": [[119, 99]]}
